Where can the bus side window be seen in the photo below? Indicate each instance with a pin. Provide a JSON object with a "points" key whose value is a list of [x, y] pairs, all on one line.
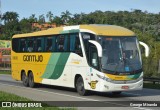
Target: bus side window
{"points": [[66, 43], [92, 60], [60, 43], [23, 45], [75, 45], [49, 47], [72, 42], [30, 45], [34, 45], [39, 46], [78, 49], [16, 44], [54, 43]]}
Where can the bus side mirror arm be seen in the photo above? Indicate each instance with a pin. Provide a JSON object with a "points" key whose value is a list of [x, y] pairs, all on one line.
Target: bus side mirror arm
{"points": [[98, 46], [146, 48]]}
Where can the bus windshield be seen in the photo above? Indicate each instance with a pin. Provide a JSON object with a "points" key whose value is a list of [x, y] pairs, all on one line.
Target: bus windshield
{"points": [[120, 54]]}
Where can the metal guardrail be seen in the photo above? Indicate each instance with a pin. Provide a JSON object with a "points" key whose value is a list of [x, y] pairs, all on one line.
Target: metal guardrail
{"points": [[154, 80]]}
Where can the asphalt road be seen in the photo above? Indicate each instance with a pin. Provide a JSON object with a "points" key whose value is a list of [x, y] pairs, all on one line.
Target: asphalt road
{"points": [[54, 93]]}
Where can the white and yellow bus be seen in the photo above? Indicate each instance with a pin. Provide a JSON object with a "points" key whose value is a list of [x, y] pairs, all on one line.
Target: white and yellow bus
{"points": [[104, 58]]}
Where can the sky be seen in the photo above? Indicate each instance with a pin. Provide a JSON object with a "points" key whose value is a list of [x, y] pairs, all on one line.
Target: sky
{"points": [[26, 8]]}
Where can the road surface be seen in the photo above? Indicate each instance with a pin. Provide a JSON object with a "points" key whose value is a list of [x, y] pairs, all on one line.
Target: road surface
{"points": [[53, 93]]}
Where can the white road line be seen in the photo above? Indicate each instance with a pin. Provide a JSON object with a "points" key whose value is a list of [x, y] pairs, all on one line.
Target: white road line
{"points": [[72, 96]]}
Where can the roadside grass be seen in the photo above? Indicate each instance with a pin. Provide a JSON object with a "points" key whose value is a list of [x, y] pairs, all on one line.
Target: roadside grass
{"points": [[11, 97], [5, 72], [150, 85]]}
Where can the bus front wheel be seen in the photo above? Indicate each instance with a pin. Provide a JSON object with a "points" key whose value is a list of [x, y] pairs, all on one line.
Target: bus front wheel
{"points": [[80, 87], [24, 79], [31, 80]]}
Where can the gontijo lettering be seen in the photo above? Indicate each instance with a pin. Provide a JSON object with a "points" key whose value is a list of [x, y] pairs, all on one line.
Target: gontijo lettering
{"points": [[33, 58]]}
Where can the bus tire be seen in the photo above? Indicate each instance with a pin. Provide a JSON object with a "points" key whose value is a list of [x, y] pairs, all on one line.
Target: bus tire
{"points": [[80, 87], [31, 80], [116, 93], [24, 79]]}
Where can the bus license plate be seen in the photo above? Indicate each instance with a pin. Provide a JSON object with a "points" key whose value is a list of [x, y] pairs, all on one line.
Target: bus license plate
{"points": [[125, 87]]}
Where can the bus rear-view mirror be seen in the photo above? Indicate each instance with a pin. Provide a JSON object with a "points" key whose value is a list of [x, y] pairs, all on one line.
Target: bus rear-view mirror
{"points": [[146, 48], [98, 46]]}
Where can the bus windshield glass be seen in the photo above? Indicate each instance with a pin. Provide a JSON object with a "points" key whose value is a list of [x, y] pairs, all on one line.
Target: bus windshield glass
{"points": [[120, 54]]}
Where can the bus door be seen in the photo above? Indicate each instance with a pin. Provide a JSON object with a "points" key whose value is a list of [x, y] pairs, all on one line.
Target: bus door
{"points": [[94, 65]]}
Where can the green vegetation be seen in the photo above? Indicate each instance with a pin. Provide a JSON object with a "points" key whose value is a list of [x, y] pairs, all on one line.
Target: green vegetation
{"points": [[5, 72], [146, 25], [11, 97], [151, 85]]}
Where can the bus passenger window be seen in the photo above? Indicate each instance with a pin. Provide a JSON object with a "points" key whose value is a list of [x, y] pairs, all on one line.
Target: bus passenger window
{"points": [[30, 45], [23, 45], [61, 43], [39, 45], [16, 45], [72, 42], [75, 45], [66, 43], [86, 37], [78, 49], [49, 44], [54, 49], [34, 45]]}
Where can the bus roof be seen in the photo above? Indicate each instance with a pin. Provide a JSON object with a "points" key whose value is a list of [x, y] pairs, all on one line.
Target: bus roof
{"points": [[106, 30]]}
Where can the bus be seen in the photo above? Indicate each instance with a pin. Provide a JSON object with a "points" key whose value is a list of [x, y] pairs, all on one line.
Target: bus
{"points": [[103, 58]]}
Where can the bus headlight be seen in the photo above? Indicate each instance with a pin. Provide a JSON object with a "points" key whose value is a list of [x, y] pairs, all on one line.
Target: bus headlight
{"points": [[104, 78]]}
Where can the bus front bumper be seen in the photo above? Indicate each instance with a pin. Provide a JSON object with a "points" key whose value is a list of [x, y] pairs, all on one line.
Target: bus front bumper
{"points": [[111, 87]]}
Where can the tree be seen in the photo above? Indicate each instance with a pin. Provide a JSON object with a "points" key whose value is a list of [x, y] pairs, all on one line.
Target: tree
{"points": [[9, 29], [76, 19], [10, 16], [41, 19], [66, 16], [50, 16], [11, 25], [32, 18], [57, 20], [25, 25]]}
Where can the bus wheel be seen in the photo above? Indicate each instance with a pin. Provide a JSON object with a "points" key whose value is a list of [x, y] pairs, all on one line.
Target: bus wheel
{"points": [[80, 87], [116, 93], [24, 79], [31, 80]]}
